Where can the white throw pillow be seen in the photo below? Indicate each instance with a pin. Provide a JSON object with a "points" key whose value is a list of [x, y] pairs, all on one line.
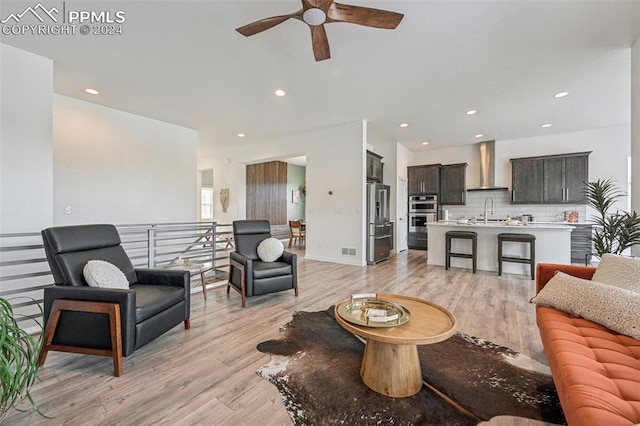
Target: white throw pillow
{"points": [[270, 250], [613, 307], [619, 271], [99, 273]]}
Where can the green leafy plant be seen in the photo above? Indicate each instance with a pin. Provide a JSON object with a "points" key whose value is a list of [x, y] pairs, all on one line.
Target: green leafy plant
{"points": [[614, 230], [19, 353]]}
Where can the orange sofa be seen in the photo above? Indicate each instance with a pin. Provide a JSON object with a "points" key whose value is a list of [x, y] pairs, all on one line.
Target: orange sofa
{"points": [[596, 371]]}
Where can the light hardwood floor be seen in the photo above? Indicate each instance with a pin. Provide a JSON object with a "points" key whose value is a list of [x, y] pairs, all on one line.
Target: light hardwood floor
{"points": [[206, 375]]}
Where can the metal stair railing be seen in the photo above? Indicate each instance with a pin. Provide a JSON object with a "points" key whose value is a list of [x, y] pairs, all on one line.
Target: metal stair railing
{"points": [[24, 271]]}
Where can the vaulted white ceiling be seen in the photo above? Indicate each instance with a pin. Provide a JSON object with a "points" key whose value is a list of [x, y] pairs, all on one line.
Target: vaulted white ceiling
{"points": [[182, 62]]}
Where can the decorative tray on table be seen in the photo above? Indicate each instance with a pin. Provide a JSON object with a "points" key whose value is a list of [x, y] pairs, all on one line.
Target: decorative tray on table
{"points": [[368, 310]]}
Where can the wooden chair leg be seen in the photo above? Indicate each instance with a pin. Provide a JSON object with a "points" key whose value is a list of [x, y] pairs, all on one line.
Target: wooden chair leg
{"points": [[116, 339], [243, 280], [111, 309], [204, 285], [187, 324], [50, 330]]}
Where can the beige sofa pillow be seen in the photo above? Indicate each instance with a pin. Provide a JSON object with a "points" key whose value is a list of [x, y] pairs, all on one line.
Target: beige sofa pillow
{"points": [[619, 271], [613, 307]]}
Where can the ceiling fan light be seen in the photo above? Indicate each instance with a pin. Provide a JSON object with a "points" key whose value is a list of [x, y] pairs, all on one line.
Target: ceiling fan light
{"points": [[314, 16]]}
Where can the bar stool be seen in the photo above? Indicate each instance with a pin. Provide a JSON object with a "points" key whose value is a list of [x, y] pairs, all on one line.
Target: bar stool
{"points": [[463, 235], [518, 238]]}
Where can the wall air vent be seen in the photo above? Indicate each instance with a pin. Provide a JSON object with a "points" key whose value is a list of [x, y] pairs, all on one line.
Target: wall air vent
{"points": [[348, 251]]}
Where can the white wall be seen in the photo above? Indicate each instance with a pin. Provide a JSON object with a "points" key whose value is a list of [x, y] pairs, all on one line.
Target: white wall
{"points": [[26, 141], [635, 131], [335, 162], [115, 167]]}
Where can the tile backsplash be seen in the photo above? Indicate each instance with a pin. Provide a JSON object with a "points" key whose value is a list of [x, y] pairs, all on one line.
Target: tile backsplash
{"points": [[504, 208]]}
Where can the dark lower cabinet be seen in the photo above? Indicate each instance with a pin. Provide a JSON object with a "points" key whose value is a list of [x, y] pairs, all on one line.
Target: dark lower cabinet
{"points": [[581, 246], [417, 240]]}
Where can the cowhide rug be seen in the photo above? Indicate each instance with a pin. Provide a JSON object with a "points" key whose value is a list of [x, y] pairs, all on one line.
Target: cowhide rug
{"points": [[316, 366]]}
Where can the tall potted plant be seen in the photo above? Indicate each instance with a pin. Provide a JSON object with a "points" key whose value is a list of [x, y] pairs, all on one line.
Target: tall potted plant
{"points": [[614, 230], [19, 353]]}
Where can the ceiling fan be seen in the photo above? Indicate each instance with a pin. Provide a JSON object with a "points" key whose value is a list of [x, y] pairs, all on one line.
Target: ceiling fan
{"points": [[316, 13]]}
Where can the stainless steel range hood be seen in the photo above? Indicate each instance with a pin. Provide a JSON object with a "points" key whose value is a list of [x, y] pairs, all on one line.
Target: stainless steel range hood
{"points": [[487, 151]]}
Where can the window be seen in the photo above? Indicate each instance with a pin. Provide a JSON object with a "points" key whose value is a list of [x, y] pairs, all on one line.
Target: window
{"points": [[629, 171], [206, 203], [206, 194]]}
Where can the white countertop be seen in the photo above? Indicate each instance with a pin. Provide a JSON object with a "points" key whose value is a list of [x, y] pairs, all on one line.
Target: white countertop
{"points": [[480, 224], [552, 244]]}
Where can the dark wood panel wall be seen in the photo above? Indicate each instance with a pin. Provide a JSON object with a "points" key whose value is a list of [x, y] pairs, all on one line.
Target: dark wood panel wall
{"points": [[267, 192]]}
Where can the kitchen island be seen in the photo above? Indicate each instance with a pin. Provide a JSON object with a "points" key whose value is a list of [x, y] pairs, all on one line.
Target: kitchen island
{"points": [[553, 244]]}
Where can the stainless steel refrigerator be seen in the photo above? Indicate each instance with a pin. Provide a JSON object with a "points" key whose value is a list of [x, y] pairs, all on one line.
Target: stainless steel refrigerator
{"points": [[379, 227]]}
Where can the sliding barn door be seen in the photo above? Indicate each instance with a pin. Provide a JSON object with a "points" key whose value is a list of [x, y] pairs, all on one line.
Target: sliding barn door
{"points": [[267, 192]]}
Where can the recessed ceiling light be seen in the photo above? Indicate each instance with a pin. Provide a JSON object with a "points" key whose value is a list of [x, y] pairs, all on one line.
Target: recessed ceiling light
{"points": [[479, 135], [471, 112], [546, 125], [560, 94], [241, 135], [280, 92], [425, 143], [404, 124], [92, 91]]}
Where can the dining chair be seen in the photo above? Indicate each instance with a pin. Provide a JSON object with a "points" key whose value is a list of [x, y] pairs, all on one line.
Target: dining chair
{"points": [[296, 232]]}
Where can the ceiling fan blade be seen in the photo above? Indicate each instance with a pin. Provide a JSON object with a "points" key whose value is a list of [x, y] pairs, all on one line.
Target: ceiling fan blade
{"points": [[366, 16], [320, 4], [264, 24], [320, 43]]}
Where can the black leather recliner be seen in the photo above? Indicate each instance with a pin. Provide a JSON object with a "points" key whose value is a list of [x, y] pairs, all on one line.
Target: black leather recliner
{"points": [[250, 276], [84, 319]]}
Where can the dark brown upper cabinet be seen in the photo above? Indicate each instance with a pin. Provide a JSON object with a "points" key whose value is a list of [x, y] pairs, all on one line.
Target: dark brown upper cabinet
{"points": [[453, 185], [374, 167], [424, 179], [552, 179], [527, 180]]}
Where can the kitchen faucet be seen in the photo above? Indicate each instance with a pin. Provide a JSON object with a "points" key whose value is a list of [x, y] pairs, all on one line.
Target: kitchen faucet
{"points": [[485, 208]]}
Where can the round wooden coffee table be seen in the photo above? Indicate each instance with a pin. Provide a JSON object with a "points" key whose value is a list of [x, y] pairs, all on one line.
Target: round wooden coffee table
{"points": [[390, 365]]}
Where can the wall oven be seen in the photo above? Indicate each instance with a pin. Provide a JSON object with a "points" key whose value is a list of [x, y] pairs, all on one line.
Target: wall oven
{"points": [[418, 221], [423, 204]]}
